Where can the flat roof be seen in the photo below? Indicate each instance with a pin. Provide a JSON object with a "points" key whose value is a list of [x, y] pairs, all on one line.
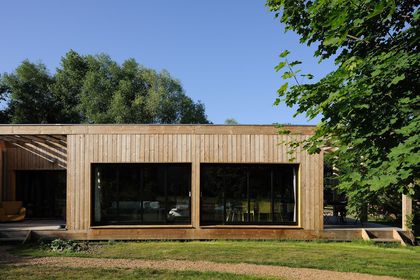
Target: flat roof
{"points": [[68, 129]]}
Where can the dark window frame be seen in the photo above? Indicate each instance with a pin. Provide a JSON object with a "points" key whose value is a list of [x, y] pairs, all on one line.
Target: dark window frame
{"points": [[140, 189], [296, 182]]}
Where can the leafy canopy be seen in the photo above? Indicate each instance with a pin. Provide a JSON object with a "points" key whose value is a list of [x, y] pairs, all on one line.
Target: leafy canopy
{"points": [[231, 121], [370, 103], [95, 89]]}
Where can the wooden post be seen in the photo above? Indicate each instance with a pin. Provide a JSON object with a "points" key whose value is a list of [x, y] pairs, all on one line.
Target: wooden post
{"points": [[407, 209], [195, 183]]}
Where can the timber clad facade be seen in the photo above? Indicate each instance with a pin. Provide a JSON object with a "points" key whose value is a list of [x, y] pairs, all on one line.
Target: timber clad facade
{"points": [[117, 173]]}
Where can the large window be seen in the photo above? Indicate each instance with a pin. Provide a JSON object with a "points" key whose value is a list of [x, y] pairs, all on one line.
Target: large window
{"points": [[248, 194], [136, 194]]}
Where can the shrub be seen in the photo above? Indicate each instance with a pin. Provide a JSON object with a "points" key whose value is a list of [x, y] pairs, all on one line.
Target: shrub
{"points": [[60, 245]]}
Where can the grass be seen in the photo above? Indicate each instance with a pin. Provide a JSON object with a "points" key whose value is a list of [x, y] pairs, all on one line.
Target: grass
{"points": [[51, 272], [403, 262]]}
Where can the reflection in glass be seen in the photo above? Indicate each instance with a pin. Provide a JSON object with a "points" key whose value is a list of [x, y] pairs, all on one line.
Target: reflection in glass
{"points": [[248, 194], [134, 194]]}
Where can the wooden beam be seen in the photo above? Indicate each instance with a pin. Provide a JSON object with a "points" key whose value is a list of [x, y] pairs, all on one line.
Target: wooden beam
{"points": [[60, 139], [32, 138], [24, 140], [62, 130], [11, 138]]}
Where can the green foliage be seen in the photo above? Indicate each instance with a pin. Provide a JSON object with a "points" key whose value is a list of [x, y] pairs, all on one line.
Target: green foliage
{"points": [[409, 222], [69, 80], [28, 89], [370, 103], [70, 246], [231, 121], [95, 89]]}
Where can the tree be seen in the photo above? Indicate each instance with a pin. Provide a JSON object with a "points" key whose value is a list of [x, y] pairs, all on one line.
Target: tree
{"points": [[30, 98], [99, 87], [370, 103], [4, 113], [231, 121], [68, 84], [95, 89]]}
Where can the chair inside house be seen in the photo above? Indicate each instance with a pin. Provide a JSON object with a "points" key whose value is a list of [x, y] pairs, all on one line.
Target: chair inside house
{"points": [[248, 216], [12, 211], [264, 213]]}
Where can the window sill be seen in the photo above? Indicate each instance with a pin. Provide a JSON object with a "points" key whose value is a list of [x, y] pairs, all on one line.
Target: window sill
{"points": [[142, 227], [253, 227]]}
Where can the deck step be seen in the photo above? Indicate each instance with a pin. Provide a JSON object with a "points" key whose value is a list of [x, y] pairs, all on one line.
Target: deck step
{"points": [[14, 236], [382, 236], [13, 233], [385, 240], [10, 239]]}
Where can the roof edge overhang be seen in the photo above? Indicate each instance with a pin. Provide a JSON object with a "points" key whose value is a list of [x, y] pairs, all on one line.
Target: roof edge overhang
{"points": [[69, 129]]}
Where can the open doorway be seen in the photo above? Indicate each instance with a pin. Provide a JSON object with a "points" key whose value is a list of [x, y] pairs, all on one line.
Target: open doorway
{"points": [[42, 192], [379, 210]]}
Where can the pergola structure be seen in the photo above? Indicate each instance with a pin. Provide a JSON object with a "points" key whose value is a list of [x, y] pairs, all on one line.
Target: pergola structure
{"points": [[52, 147], [26, 151]]}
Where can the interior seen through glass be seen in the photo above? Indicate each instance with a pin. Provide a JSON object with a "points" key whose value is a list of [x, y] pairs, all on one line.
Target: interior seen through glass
{"points": [[249, 194], [141, 194], [230, 194]]}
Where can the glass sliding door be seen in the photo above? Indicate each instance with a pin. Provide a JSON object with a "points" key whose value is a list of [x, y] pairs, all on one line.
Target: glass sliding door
{"points": [[260, 193], [285, 196], [141, 194], [42, 192], [248, 194], [154, 185], [219, 204]]}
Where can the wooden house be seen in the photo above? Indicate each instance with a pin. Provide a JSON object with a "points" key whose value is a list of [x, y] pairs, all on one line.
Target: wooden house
{"points": [[164, 181]]}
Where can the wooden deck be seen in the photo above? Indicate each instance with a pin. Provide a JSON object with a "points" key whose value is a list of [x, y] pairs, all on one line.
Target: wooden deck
{"points": [[56, 229], [49, 225]]}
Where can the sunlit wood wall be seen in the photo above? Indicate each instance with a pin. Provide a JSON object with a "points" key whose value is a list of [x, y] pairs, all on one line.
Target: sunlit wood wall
{"points": [[195, 144], [216, 145]]}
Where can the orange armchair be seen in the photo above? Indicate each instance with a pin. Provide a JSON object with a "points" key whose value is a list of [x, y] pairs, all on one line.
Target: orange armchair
{"points": [[12, 211]]}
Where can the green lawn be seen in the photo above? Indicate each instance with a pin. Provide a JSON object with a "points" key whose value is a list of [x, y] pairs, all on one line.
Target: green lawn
{"points": [[362, 257], [51, 272]]}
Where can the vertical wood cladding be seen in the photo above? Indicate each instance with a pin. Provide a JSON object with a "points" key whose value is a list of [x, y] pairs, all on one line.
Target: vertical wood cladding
{"points": [[223, 147]]}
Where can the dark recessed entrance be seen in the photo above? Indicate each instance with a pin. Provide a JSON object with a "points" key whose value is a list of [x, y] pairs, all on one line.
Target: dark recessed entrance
{"points": [[43, 193]]}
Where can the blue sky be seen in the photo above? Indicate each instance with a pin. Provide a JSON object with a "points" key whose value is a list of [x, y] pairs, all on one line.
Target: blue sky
{"points": [[223, 52]]}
